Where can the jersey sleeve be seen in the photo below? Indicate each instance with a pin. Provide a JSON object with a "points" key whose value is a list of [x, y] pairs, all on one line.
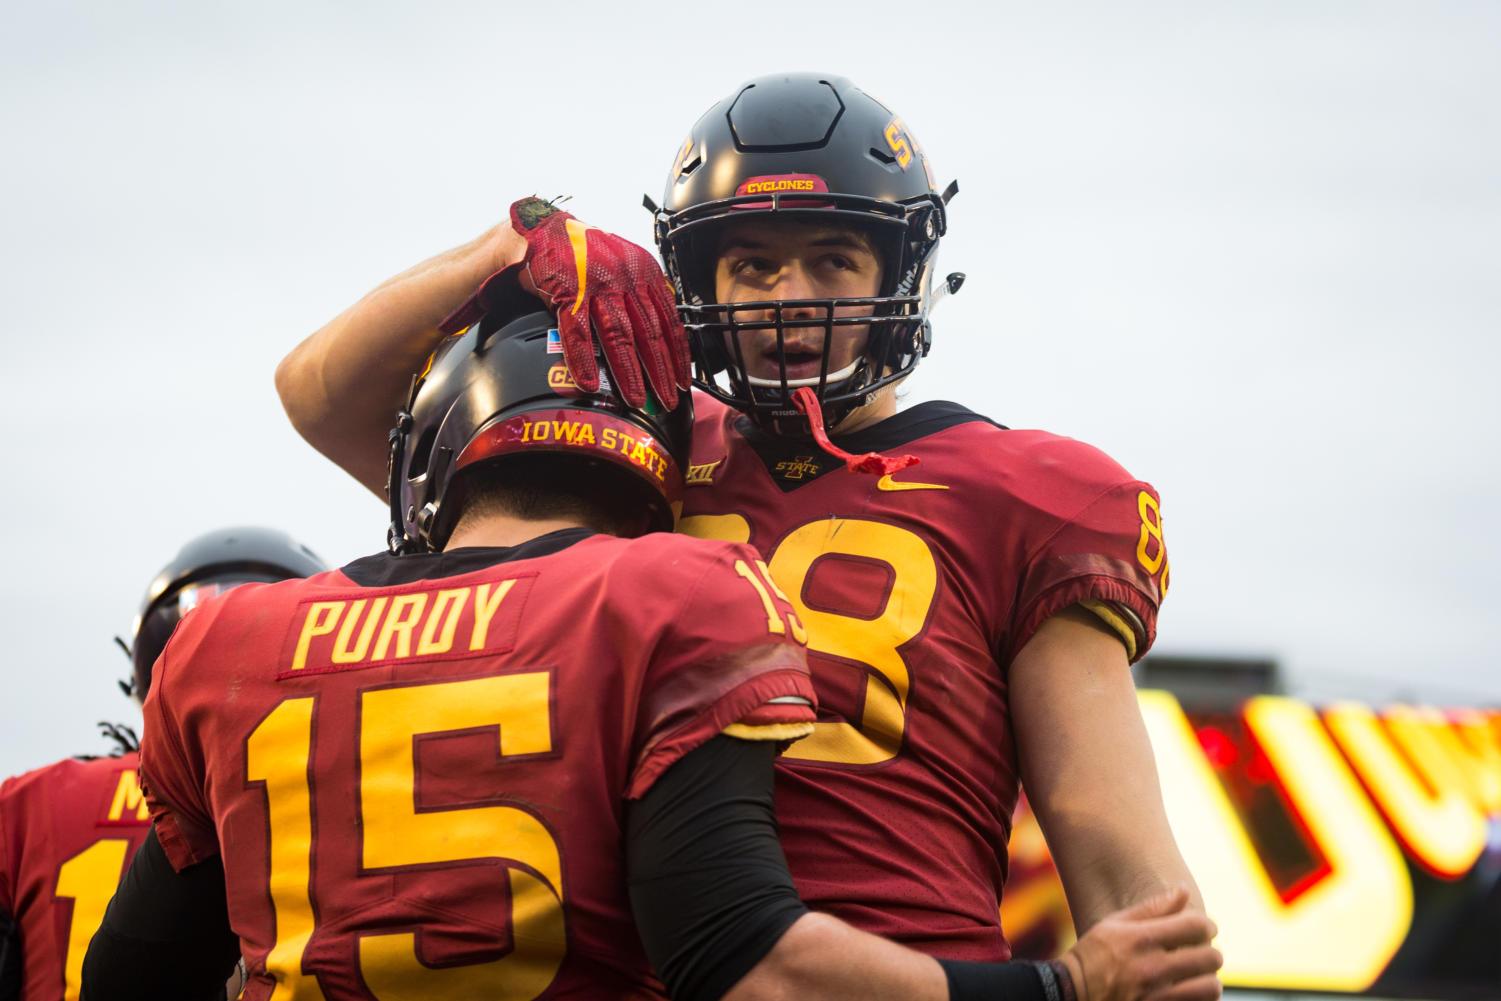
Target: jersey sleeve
{"points": [[1111, 559], [172, 784], [731, 660]]}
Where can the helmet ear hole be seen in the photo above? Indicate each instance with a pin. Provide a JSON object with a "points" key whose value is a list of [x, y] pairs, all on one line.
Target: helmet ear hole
{"points": [[421, 452]]}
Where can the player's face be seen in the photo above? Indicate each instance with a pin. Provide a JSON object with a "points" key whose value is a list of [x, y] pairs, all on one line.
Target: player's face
{"points": [[761, 260]]}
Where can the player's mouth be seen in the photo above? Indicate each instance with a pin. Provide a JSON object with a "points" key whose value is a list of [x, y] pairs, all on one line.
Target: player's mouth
{"points": [[802, 361]]}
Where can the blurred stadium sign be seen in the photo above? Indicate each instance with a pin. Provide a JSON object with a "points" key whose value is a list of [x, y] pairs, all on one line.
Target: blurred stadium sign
{"points": [[1340, 847]]}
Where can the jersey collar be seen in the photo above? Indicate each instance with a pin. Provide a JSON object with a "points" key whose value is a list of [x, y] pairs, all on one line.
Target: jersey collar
{"points": [[387, 570], [792, 462]]}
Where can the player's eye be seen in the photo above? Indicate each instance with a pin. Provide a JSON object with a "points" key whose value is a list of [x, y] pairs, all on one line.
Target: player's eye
{"points": [[751, 266], [840, 262]]}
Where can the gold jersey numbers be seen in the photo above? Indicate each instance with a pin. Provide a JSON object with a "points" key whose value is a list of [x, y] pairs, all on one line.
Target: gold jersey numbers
{"points": [[397, 835], [1151, 548], [868, 645], [760, 579], [88, 879]]}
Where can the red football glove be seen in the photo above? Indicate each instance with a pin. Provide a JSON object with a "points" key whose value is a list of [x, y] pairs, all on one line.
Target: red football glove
{"points": [[597, 281]]}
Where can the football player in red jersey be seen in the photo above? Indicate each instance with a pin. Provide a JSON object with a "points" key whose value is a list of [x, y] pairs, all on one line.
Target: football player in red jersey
{"points": [[971, 618], [513, 727], [68, 830]]}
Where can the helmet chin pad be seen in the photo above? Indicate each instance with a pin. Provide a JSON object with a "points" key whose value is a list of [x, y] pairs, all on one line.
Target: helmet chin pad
{"points": [[833, 379]]}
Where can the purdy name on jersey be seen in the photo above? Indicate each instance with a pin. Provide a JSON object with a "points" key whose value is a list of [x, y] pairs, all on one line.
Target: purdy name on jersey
{"points": [[918, 589]]}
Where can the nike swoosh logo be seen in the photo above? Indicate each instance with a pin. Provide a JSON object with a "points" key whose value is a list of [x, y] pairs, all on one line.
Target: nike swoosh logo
{"points": [[887, 483]]}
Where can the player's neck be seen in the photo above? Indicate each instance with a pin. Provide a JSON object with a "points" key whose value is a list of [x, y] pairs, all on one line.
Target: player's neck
{"points": [[874, 412], [503, 530]]}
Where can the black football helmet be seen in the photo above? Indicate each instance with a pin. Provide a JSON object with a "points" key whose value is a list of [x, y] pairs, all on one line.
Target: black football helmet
{"points": [[501, 390], [815, 148], [208, 565]]}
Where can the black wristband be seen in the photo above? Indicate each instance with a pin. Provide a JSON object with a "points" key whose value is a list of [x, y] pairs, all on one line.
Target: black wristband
{"points": [[1065, 980], [1015, 981], [1052, 990]]}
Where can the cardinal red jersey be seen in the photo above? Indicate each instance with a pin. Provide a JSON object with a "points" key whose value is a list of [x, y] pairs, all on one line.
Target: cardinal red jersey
{"points": [[917, 590], [415, 768], [66, 834]]}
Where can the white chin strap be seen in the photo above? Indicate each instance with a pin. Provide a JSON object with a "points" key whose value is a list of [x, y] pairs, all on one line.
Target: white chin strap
{"points": [[832, 378]]}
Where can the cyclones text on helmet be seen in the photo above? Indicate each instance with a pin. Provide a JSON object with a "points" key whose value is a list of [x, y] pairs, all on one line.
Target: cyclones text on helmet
{"points": [[208, 565], [500, 390], [810, 148]]}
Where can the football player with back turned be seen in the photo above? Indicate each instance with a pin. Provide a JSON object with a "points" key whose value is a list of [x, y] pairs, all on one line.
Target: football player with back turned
{"points": [[970, 616], [68, 830]]}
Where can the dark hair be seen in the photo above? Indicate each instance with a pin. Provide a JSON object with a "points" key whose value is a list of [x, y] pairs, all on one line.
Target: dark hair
{"points": [[538, 487]]}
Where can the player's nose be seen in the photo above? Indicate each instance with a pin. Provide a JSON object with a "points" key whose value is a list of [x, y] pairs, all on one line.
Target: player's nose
{"points": [[794, 282]]}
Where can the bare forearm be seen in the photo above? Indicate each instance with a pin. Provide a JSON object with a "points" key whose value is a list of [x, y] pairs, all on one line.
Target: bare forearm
{"points": [[1104, 869], [1112, 844], [822, 957], [341, 386], [1089, 772]]}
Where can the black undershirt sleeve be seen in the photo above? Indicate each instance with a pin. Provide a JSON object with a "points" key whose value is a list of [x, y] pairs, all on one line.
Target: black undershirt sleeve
{"points": [[10, 959], [165, 935], [710, 889], [708, 882]]}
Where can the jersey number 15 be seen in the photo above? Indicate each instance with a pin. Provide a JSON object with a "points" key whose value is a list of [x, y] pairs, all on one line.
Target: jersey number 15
{"points": [[393, 834]]}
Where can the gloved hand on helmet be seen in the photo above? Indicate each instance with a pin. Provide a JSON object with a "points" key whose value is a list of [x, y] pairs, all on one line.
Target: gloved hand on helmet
{"points": [[596, 283]]}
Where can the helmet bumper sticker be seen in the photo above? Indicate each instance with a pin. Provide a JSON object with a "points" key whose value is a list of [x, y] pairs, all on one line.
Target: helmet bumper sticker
{"points": [[781, 184], [594, 434], [560, 381]]}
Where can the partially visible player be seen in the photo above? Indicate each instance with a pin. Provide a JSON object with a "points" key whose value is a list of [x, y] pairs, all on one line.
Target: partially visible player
{"points": [[463, 773], [67, 830]]}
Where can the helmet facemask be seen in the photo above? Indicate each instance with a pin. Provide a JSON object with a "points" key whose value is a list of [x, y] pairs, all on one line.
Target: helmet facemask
{"points": [[903, 236]]}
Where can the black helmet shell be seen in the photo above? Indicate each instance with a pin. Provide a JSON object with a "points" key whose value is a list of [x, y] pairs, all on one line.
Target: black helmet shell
{"points": [[501, 388], [210, 564]]}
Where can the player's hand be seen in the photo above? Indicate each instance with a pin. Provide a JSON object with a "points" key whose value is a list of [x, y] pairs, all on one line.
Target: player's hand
{"points": [[1157, 950], [596, 283]]}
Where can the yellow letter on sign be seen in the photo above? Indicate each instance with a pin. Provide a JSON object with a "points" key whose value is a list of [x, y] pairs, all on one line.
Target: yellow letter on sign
{"points": [[1443, 829], [1340, 933], [1479, 756]]}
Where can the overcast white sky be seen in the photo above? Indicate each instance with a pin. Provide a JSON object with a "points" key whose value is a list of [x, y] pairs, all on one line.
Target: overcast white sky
{"points": [[1250, 249]]}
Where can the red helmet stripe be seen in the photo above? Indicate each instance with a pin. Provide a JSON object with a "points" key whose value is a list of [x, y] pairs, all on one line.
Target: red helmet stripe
{"points": [[592, 433]]}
